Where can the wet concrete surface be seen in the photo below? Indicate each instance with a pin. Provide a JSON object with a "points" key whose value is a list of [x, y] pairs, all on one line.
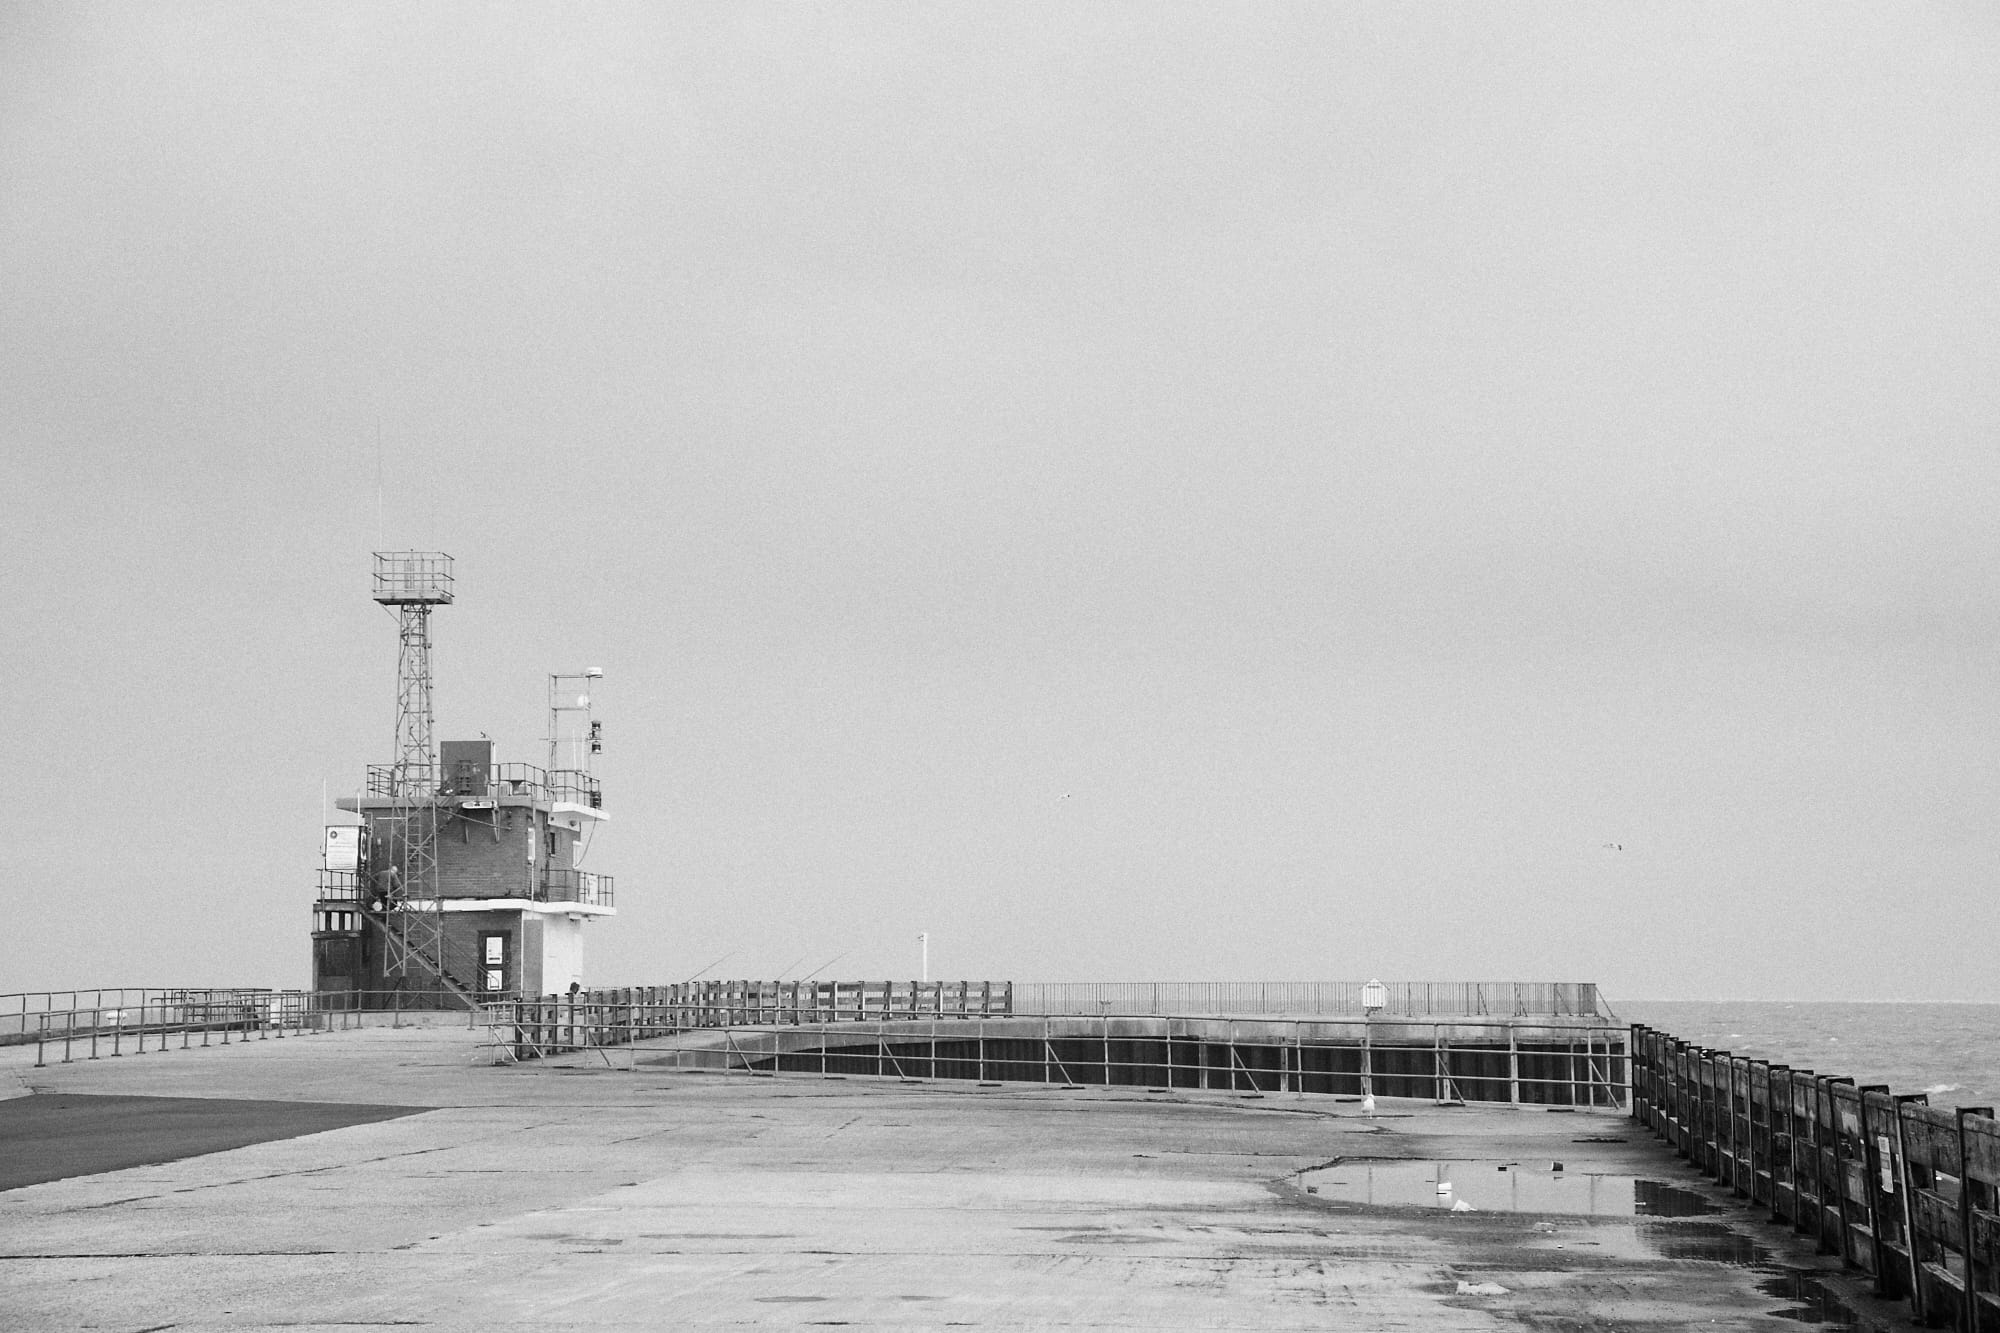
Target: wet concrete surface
{"points": [[50, 1136], [579, 1197], [1500, 1186]]}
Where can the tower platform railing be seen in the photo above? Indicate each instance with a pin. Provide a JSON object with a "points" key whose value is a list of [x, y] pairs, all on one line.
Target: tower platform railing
{"points": [[505, 782], [413, 578], [576, 787]]}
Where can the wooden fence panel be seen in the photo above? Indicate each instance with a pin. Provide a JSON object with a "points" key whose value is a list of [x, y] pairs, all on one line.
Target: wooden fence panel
{"points": [[1979, 1150], [1903, 1191]]}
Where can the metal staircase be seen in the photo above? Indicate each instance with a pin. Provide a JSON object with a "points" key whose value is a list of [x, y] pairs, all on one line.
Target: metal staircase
{"points": [[415, 949]]}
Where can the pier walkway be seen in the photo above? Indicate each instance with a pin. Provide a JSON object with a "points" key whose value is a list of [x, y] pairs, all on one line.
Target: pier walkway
{"points": [[567, 1195]]}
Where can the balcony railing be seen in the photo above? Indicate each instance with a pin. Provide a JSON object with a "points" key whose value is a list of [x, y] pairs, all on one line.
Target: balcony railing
{"points": [[585, 887], [339, 886], [573, 784]]}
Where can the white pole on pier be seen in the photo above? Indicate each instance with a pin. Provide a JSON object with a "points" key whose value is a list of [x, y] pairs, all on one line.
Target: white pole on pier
{"points": [[924, 942]]}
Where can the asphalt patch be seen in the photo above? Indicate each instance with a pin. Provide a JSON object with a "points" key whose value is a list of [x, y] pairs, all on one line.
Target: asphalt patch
{"points": [[53, 1136]]}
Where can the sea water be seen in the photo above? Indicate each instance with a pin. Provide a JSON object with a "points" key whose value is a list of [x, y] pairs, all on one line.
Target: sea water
{"points": [[1951, 1052]]}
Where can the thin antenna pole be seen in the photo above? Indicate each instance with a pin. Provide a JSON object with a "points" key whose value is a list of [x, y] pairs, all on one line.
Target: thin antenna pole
{"points": [[379, 543]]}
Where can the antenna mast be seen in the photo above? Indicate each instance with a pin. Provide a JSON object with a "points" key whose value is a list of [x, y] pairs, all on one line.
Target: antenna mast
{"points": [[574, 737]]}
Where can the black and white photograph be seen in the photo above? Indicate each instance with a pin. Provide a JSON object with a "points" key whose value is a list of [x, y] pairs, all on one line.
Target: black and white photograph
{"points": [[1123, 666]]}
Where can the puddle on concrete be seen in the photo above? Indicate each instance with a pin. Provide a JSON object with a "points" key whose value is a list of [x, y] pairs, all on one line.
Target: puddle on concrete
{"points": [[1703, 1242], [1810, 1303], [1500, 1187], [1660, 1229]]}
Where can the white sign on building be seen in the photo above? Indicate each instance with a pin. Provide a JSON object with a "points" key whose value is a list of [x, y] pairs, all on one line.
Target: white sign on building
{"points": [[343, 846]]}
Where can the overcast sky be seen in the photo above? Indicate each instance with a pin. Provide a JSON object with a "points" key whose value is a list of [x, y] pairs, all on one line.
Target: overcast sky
{"points": [[1137, 491]]}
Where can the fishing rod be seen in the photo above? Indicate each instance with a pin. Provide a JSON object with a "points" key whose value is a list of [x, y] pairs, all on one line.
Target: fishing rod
{"points": [[717, 963], [828, 963]]}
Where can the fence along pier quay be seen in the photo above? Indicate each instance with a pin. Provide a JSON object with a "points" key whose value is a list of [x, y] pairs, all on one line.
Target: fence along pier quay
{"points": [[1546, 1043]]}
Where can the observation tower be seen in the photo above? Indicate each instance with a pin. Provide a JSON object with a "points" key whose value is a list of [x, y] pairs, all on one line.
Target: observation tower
{"points": [[462, 878]]}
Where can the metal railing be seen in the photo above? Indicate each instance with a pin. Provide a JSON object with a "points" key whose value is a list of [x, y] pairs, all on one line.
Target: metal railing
{"points": [[550, 884], [412, 576], [747, 1002], [1459, 1061], [1901, 1190], [576, 786], [392, 781], [509, 782], [22, 1012], [338, 886], [137, 1022], [1415, 999], [586, 887], [519, 780]]}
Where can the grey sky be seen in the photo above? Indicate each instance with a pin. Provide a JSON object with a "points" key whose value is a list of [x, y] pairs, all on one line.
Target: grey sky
{"points": [[1136, 491]]}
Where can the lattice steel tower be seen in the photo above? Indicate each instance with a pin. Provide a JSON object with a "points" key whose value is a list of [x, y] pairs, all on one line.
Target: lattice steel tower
{"points": [[414, 582]]}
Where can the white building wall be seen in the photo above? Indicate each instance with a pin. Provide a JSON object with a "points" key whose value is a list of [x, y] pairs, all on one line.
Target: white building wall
{"points": [[562, 953]]}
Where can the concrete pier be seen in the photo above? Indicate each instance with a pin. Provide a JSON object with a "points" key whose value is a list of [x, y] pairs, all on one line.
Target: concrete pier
{"points": [[568, 1195]]}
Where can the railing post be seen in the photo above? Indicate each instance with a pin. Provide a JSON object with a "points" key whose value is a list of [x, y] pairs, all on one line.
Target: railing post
{"points": [[1979, 1192], [1871, 1193], [1895, 1175], [1628, 1069], [1969, 1298], [1513, 1063], [1298, 1058]]}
